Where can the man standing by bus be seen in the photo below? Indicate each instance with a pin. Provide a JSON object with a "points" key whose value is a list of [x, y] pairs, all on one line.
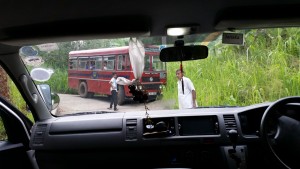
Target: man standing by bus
{"points": [[113, 91], [186, 91]]}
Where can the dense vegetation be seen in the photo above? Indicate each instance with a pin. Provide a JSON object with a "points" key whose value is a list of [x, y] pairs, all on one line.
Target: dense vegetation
{"points": [[264, 69]]}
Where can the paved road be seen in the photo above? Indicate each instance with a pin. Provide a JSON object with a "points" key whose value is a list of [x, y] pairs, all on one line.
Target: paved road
{"points": [[74, 103]]}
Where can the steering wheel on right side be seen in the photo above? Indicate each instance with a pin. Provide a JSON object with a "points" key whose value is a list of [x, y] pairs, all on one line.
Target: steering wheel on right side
{"points": [[281, 131]]}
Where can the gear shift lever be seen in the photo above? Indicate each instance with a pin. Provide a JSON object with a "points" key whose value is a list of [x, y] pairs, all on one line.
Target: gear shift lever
{"points": [[236, 156], [233, 136]]}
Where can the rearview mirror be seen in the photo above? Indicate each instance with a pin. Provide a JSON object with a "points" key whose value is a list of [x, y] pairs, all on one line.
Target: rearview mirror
{"points": [[183, 53]]}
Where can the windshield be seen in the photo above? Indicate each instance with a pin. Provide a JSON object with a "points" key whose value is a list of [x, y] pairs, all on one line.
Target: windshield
{"points": [[262, 69]]}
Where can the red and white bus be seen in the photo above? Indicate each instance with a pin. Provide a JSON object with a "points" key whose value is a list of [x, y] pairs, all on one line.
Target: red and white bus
{"points": [[91, 70]]}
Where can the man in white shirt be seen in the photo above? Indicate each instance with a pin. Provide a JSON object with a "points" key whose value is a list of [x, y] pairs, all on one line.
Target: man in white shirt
{"points": [[114, 91], [186, 91]]}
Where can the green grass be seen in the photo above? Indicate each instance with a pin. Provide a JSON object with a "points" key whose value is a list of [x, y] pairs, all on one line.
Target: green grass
{"points": [[17, 100], [265, 69]]}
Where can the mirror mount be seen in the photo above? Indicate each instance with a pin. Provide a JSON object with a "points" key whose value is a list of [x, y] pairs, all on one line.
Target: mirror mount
{"points": [[179, 42]]}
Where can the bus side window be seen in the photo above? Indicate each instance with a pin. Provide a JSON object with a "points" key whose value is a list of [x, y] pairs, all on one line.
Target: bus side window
{"points": [[73, 64], [98, 64], [92, 66], [123, 63], [109, 62], [127, 65], [147, 63], [105, 65], [83, 63], [110, 65], [120, 62], [87, 65]]}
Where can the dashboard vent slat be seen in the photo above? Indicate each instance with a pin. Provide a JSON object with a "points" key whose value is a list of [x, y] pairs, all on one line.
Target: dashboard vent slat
{"points": [[230, 122], [39, 134], [131, 129]]}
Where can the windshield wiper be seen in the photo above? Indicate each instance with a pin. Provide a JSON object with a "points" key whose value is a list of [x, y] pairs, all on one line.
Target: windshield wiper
{"points": [[87, 113]]}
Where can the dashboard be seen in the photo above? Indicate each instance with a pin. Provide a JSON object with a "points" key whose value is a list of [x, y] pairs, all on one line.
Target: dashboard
{"points": [[129, 127], [166, 138]]}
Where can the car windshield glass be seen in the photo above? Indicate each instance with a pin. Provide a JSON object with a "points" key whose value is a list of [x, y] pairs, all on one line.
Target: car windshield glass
{"points": [[263, 68]]}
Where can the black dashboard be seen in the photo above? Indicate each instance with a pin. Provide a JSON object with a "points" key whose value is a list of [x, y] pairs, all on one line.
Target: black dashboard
{"points": [[170, 138], [129, 127], [181, 126]]}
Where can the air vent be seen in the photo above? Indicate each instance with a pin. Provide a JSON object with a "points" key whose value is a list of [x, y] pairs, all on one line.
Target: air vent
{"points": [[39, 134], [131, 129], [230, 122]]}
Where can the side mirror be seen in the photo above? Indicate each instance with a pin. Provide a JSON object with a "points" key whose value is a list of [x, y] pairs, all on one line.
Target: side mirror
{"points": [[55, 100], [51, 99]]}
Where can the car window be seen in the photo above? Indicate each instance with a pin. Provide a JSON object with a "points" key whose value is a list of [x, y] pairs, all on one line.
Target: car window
{"points": [[3, 135], [9, 92]]}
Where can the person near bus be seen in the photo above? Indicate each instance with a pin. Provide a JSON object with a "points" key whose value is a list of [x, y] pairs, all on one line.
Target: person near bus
{"points": [[105, 65], [186, 91], [92, 67], [114, 92]]}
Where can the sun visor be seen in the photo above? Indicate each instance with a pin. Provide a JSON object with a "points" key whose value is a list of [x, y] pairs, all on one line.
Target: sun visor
{"points": [[258, 17]]}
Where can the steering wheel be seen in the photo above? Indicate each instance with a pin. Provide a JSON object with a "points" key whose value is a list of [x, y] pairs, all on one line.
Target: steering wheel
{"points": [[281, 131]]}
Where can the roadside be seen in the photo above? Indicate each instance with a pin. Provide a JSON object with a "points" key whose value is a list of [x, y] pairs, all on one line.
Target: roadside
{"points": [[74, 103]]}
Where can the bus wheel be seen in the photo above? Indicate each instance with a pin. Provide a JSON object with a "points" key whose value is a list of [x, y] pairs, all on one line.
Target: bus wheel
{"points": [[83, 90], [121, 95]]}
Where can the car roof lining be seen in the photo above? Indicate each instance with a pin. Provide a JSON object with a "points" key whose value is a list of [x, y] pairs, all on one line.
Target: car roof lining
{"points": [[80, 29], [68, 25]]}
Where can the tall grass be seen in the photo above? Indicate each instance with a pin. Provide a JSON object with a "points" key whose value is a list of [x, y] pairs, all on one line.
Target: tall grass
{"points": [[17, 100], [265, 69]]}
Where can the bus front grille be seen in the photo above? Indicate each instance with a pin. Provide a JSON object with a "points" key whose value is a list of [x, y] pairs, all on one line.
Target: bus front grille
{"points": [[151, 86], [150, 79]]}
